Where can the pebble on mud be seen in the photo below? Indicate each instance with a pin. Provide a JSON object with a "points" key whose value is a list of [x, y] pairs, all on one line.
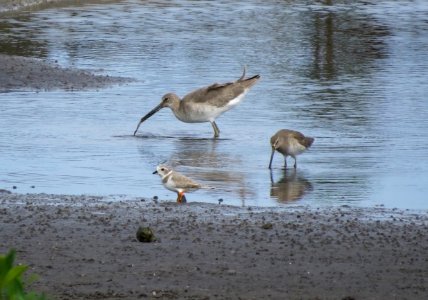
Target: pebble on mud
{"points": [[145, 235], [267, 226]]}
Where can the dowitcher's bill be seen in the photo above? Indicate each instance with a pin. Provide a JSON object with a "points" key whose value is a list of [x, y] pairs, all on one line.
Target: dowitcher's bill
{"points": [[207, 103], [289, 143]]}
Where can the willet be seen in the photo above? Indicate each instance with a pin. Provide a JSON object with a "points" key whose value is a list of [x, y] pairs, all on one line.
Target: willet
{"points": [[289, 143], [176, 182], [207, 103]]}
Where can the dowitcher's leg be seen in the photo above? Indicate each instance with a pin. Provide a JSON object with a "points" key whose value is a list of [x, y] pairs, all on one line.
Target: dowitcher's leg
{"points": [[216, 130]]}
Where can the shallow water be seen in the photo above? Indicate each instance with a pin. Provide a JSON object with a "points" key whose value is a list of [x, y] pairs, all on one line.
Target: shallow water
{"points": [[354, 76]]}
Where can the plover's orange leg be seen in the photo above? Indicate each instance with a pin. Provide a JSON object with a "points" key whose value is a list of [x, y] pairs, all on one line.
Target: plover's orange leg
{"points": [[180, 197]]}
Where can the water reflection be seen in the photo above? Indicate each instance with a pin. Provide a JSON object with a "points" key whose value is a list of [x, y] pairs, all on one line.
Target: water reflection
{"points": [[211, 161], [291, 187], [345, 44], [206, 160], [201, 153], [18, 37]]}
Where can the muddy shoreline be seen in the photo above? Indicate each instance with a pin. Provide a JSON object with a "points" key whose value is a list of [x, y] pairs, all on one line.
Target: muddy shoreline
{"points": [[24, 73], [85, 247], [34, 74], [12, 6]]}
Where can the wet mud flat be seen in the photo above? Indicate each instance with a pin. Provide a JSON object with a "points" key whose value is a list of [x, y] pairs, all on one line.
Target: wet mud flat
{"points": [[85, 247], [10, 6], [17, 73], [28, 73]]}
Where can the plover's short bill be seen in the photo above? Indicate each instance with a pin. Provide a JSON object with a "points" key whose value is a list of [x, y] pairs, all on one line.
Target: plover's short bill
{"points": [[289, 143], [176, 182]]}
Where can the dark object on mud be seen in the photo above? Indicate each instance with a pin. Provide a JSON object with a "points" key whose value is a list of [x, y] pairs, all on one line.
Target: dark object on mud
{"points": [[267, 226], [145, 235]]}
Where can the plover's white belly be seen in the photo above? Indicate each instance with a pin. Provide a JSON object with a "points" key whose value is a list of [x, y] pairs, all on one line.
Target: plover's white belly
{"points": [[171, 185]]}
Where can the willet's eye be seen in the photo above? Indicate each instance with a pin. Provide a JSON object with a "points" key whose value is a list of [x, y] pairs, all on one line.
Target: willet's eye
{"points": [[163, 169]]}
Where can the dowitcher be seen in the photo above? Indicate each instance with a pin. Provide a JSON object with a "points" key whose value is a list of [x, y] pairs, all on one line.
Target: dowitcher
{"points": [[176, 182], [207, 103], [289, 143]]}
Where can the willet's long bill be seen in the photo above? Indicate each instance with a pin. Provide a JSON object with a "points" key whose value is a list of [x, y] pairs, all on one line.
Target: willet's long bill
{"points": [[176, 182], [289, 143], [207, 103]]}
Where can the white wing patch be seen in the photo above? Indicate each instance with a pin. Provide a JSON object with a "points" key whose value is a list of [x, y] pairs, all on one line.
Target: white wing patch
{"points": [[236, 101]]}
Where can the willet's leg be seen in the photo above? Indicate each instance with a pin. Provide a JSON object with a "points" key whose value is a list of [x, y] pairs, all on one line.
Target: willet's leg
{"points": [[285, 161], [295, 162], [216, 130]]}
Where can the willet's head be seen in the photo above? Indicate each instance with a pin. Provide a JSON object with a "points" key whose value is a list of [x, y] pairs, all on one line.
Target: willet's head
{"points": [[170, 100]]}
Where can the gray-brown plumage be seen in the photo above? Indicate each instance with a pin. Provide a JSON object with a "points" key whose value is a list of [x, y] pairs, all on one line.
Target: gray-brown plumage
{"points": [[289, 143], [176, 182], [207, 103]]}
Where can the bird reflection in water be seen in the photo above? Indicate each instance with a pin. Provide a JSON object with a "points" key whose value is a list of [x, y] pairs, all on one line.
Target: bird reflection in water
{"points": [[209, 161], [291, 187]]}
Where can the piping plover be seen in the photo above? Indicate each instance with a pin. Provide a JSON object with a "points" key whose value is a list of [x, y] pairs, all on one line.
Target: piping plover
{"points": [[176, 182]]}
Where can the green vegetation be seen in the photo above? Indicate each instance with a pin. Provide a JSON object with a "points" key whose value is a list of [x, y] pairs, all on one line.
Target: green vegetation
{"points": [[11, 282]]}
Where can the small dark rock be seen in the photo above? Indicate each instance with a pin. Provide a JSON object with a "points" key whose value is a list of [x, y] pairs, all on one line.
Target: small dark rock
{"points": [[145, 235], [267, 226], [14, 187]]}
